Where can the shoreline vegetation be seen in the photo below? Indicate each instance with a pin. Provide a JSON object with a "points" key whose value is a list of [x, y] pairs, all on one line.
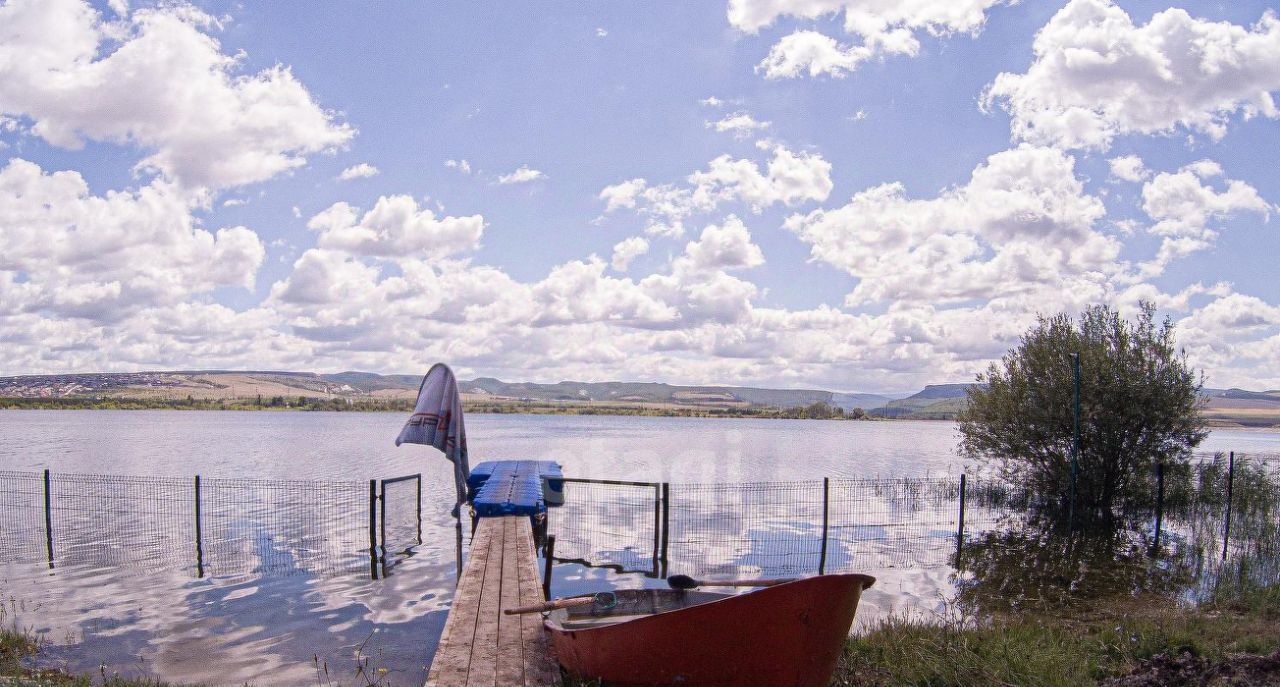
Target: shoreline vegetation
{"points": [[369, 392], [815, 411]]}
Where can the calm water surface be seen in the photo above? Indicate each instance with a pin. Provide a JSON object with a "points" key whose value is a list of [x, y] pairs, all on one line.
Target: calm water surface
{"points": [[285, 629]]}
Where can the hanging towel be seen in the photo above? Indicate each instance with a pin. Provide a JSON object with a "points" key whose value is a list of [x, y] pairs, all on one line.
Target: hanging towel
{"points": [[437, 421]]}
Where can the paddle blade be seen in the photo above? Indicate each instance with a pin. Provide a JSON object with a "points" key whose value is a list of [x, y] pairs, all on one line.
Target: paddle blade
{"points": [[682, 582]]}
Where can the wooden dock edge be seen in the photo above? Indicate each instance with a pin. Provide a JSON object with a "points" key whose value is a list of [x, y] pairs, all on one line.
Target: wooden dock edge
{"points": [[480, 645]]}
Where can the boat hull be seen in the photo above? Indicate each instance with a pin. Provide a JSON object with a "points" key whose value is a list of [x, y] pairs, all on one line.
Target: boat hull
{"points": [[789, 635]]}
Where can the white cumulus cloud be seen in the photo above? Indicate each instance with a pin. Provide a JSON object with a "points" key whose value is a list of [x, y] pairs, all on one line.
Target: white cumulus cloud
{"points": [[523, 175], [627, 250], [877, 28], [100, 256], [1097, 75], [740, 124], [158, 81], [364, 170], [395, 227]]}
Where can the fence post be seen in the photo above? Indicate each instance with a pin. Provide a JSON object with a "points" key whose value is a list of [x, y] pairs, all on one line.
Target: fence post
{"points": [[1155, 545], [419, 482], [666, 523], [199, 533], [960, 526], [826, 500], [48, 518], [373, 529], [1231, 480], [657, 528], [550, 552], [382, 525]]}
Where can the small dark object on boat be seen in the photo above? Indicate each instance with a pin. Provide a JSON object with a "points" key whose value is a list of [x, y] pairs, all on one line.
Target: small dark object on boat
{"points": [[789, 634]]}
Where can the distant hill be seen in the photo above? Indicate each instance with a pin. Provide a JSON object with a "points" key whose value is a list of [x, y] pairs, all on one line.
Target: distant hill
{"points": [[934, 402], [1237, 407]]}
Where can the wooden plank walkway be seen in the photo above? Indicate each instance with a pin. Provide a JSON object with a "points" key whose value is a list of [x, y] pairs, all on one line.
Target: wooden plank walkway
{"points": [[480, 645]]}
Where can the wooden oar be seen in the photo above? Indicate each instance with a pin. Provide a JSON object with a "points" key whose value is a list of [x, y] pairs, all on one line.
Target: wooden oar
{"points": [[686, 582], [605, 599]]}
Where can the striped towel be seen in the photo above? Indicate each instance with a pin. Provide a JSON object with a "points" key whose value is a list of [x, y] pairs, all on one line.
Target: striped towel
{"points": [[437, 421]]}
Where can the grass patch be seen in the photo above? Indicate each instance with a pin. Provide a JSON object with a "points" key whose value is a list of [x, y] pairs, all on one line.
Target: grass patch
{"points": [[17, 651], [1079, 647]]}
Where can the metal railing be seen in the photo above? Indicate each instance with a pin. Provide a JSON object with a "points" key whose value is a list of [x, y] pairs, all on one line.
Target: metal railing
{"points": [[212, 526]]}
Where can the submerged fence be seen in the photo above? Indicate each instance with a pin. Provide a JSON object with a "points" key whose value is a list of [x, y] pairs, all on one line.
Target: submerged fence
{"points": [[771, 527], [208, 526], [1205, 514]]}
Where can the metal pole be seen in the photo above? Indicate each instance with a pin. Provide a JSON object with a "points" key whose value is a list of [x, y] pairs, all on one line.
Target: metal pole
{"points": [[1231, 480], [48, 519], [666, 523], [550, 552], [960, 527], [1155, 546], [826, 500], [373, 529], [199, 537], [382, 526], [1075, 447], [657, 528], [458, 577]]}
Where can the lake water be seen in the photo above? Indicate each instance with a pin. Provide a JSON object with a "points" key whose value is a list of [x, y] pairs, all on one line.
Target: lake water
{"points": [[290, 623]]}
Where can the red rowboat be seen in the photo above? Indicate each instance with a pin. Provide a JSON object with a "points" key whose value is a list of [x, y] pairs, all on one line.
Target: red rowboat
{"points": [[790, 634]]}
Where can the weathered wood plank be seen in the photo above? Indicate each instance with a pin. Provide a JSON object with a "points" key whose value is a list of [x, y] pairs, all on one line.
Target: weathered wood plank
{"points": [[484, 649], [480, 645], [539, 664], [510, 651], [452, 662]]}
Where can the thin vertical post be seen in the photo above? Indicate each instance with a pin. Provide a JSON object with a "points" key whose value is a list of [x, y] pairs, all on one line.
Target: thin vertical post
{"points": [[382, 525], [1231, 480], [550, 552], [826, 500], [199, 534], [373, 529], [458, 560], [48, 518], [1075, 445], [657, 528], [419, 482], [666, 523], [1155, 545], [960, 526]]}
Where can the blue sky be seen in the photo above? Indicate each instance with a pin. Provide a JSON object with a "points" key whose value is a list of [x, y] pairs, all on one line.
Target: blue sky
{"points": [[843, 194]]}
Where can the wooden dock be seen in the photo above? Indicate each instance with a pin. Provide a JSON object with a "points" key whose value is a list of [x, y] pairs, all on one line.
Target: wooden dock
{"points": [[480, 645]]}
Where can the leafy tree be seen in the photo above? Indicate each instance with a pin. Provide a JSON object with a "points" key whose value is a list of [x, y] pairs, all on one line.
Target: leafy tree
{"points": [[1139, 406]]}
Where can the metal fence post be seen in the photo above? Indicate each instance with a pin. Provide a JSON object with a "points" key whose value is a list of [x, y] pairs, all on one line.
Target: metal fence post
{"points": [[550, 552], [48, 518], [960, 526], [382, 525], [826, 501], [373, 529], [657, 528], [1231, 480], [666, 523], [1155, 545], [199, 532]]}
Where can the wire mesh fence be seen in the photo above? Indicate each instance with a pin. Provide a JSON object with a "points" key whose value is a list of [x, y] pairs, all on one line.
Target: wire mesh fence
{"points": [[609, 524], [207, 527], [1218, 514], [21, 516]]}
